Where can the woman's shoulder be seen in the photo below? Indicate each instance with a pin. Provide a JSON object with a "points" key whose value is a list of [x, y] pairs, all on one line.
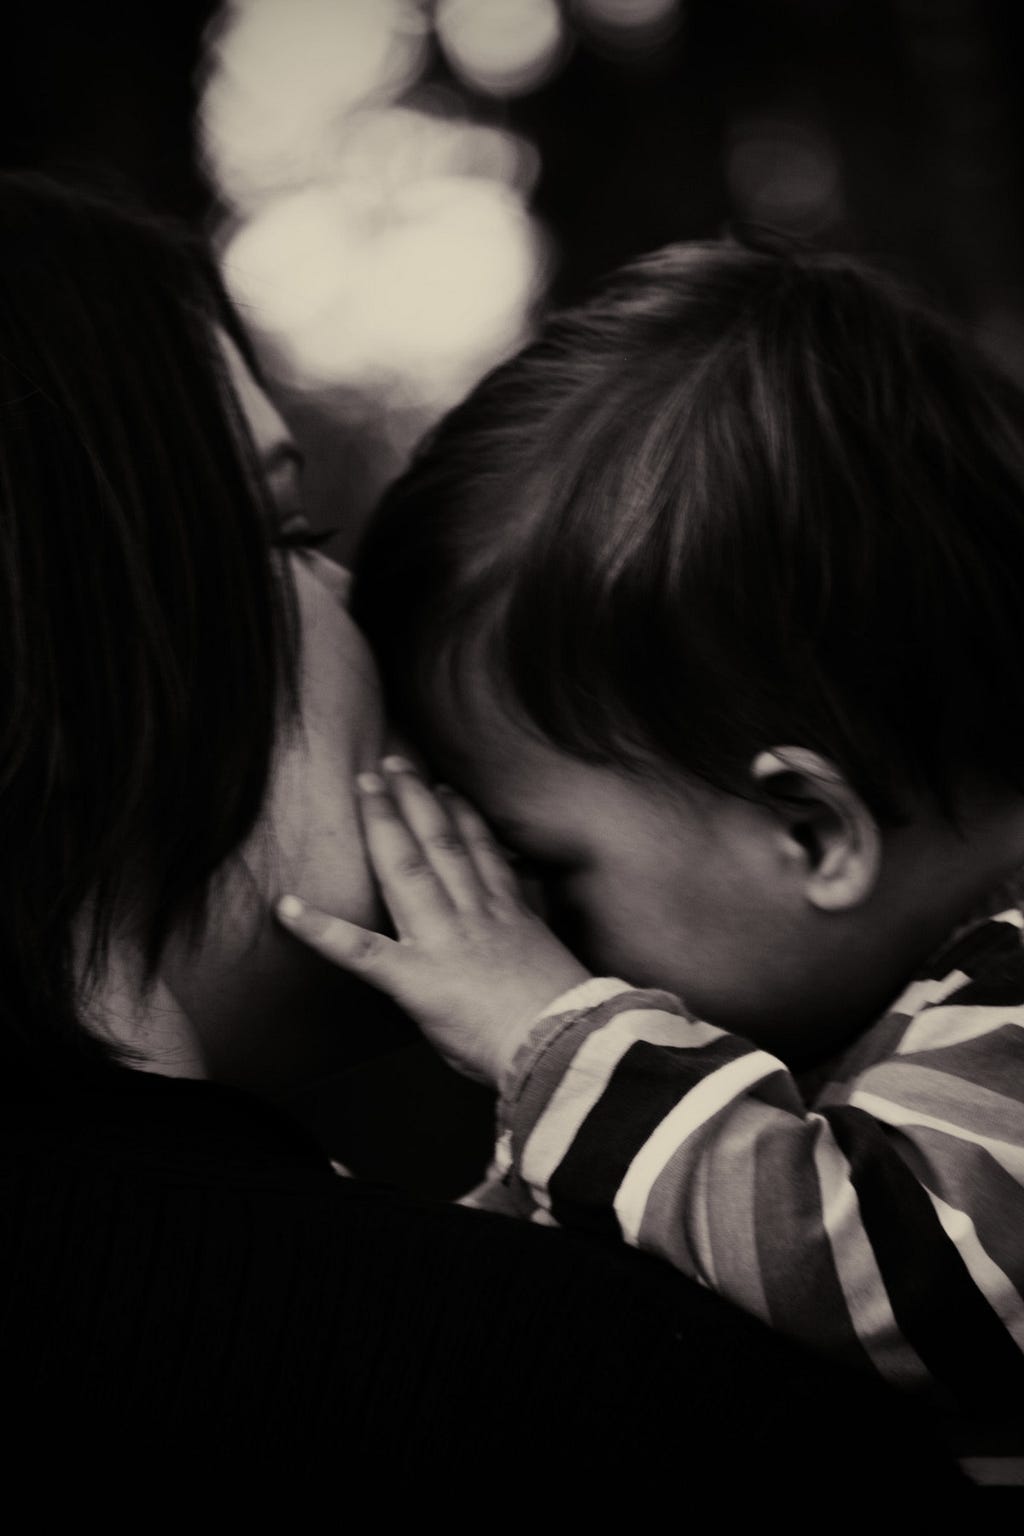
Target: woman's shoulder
{"points": [[144, 1126], [186, 1257]]}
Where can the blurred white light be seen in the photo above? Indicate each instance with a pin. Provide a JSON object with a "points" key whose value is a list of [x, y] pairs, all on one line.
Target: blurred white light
{"points": [[629, 26], [282, 76], [503, 47], [380, 253], [409, 296], [784, 175], [392, 146], [627, 13]]}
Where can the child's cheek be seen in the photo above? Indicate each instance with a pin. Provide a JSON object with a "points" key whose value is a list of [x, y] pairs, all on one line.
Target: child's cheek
{"points": [[602, 921]]}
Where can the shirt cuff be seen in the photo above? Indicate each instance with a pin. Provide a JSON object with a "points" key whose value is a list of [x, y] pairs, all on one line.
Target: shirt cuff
{"points": [[585, 994], [566, 1009]]}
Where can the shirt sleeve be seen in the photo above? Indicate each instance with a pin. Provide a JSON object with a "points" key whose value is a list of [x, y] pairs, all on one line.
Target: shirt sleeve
{"points": [[883, 1224]]}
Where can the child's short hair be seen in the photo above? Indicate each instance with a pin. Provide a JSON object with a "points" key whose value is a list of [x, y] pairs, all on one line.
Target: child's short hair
{"points": [[738, 500]]}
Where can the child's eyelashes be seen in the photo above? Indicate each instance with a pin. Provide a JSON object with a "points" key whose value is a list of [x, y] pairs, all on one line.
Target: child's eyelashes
{"points": [[520, 860], [534, 867], [526, 869]]}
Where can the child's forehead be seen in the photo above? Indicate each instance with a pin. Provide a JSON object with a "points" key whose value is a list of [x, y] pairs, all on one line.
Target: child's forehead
{"points": [[523, 782], [485, 748]]}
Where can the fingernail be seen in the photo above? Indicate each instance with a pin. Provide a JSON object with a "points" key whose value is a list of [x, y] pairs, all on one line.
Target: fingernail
{"points": [[371, 783], [290, 906], [396, 764]]}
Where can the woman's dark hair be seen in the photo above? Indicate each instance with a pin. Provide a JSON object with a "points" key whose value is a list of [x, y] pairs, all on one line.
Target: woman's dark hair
{"points": [[741, 499], [148, 641]]}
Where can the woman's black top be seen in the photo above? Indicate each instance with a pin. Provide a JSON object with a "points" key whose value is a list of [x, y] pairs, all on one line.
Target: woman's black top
{"points": [[190, 1294]]}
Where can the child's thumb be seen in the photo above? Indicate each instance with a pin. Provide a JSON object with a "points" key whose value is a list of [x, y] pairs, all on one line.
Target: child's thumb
{"points": [[370, 955]]}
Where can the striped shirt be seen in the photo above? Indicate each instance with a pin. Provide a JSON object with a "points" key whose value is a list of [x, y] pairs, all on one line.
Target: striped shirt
{"points": [[878, 1217]]}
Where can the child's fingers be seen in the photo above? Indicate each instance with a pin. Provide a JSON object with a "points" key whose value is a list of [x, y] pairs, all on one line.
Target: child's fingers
{"points": [[437, 833], [371, 955], [415, 897], [491, 865]]}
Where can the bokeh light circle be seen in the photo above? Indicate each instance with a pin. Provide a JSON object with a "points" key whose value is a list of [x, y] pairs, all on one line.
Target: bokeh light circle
{"points": [[785, 175], [502, 47], [627, 13], [628, 27]]}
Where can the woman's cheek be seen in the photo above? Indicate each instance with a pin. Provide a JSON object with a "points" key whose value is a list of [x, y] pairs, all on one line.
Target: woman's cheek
{"points": [[313, 819], [320, 845]]}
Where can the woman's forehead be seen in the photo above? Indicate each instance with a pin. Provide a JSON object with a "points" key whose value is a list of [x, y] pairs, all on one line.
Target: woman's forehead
{"points": [[269, 429]]}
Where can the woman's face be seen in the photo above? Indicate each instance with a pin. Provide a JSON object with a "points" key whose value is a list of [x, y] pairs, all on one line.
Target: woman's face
{"points": [[269, 1013]]}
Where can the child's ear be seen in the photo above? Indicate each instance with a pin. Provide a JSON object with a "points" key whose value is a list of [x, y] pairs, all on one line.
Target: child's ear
{"points": [[826, 826]]}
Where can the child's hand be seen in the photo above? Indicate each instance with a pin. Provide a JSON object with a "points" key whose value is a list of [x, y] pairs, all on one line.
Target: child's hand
{"points": [[472, 964]]}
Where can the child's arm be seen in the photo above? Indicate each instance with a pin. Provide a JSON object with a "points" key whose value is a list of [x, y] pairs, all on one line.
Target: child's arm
{"points": [[885, 1228], [886, 1225]]}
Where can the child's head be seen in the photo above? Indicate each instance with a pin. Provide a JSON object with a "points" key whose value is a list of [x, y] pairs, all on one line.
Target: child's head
{"points": [[713, 598]]}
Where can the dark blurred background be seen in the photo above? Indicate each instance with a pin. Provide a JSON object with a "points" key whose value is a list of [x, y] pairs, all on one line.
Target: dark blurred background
{"points": [[385, 264]]}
